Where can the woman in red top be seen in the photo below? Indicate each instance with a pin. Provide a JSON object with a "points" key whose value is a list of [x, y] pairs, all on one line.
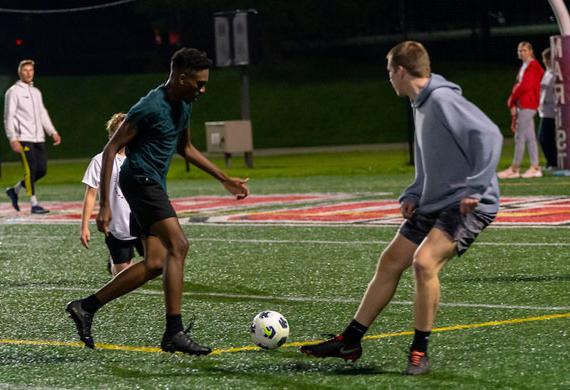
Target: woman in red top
{"points": [[523, 104]]}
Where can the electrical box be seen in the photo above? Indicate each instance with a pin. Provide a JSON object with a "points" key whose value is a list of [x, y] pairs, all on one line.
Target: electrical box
{"points": [[230, 137]]}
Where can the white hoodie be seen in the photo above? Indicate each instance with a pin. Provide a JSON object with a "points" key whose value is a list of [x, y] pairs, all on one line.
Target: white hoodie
{"points": [[25, 117]]}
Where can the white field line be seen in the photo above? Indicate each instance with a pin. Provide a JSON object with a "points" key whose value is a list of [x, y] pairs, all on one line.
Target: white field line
{"points": [[6, 241], [184, 221], [302, 299], [11, 386]]}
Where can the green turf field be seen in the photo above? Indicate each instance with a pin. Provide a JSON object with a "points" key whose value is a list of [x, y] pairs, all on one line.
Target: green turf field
{"points": [[503, 323]]}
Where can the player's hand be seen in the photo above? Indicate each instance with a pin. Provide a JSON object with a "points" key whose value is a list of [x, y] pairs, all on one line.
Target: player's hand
{"points": [[16, 146], [103, 219], [85, 237], [407, 209], [514, 123], [467, 205], [56, 138], [237, 187]]}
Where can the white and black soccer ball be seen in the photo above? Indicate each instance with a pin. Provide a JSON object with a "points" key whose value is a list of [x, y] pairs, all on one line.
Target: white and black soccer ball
{"points": [[269, 330]]}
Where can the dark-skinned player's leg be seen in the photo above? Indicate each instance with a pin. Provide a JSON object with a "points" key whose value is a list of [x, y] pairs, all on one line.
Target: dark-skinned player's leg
{"points": [[176, 244], [83, 310]]}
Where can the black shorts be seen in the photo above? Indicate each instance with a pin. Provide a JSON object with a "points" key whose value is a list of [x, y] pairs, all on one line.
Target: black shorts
{"points": [[148, 201], [463, 229], [123, 251]]}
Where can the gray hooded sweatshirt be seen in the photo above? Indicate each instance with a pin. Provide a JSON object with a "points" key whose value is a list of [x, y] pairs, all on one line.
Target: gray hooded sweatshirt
{"points": [[457, 149]]}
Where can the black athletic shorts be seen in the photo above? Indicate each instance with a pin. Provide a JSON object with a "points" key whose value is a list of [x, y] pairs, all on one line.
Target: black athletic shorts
{"points": [[463, 229], [148, 201], [123, 251]]}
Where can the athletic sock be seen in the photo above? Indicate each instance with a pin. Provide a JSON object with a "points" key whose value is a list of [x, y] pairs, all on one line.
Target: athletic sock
{"points": [[91, 304], [354, 332], [420, 342], [34, 200], [173, 324]]}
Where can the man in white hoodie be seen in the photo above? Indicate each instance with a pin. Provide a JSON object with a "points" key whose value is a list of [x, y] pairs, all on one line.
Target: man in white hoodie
{"points": [[26, 122]]}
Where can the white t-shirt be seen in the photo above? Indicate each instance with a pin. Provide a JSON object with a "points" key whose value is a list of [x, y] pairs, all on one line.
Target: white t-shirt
{"points": [[119, 226]]}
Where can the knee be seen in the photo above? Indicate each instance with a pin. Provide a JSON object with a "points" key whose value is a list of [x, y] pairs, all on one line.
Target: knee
{"points": [[421, 269], [423, 265], [154, 265], [178, 246]]}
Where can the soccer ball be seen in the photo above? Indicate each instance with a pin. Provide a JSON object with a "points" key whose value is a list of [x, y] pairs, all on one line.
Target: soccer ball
{"points": [[269, 330]]}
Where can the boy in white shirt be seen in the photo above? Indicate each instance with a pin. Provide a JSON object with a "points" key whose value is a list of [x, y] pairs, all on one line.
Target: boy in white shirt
{"points": [[119, 241]]}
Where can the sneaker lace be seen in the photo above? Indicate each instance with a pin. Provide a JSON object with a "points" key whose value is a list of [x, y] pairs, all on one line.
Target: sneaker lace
{"points": [[416, 357], [191, 322], [331, 336]]}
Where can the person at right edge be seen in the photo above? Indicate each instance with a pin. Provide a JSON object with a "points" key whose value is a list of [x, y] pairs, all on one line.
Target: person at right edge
{"points": [[546, 112], [455, 195]]}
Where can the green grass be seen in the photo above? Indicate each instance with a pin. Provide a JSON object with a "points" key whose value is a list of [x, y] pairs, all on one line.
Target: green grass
{"points": [[44, 266], [38, 279]]}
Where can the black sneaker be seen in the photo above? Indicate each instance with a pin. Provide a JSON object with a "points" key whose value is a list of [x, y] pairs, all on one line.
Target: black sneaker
{"points": [[83, 320], [181, 342], [334, 347], [418, 363], [37, 209], [13, 197]]}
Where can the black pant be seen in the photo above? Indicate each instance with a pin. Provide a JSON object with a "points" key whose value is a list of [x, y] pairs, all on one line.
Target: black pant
{"points": [[34, 160], [547, 139]]}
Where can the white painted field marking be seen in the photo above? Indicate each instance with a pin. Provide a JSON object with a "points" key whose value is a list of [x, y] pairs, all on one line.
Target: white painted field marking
{"points": [[7, 241], [302, 299]]}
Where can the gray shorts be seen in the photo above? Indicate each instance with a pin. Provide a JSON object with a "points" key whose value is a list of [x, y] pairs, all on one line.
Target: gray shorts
{"points": [[463, 229]]}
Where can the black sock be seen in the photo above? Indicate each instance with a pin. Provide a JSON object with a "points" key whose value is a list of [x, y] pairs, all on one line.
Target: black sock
{"points": [[173, 324], [354, 332], [420, 342], [91, 304]]}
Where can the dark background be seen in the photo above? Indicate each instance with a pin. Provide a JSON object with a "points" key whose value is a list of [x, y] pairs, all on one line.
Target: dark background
{"points": [[318, 74], [140, 36]]}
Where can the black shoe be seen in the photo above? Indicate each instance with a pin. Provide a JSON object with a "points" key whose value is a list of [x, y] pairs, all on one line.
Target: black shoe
{"points": [[418, 363], [181, 342], [37, 209], [334, 347], [13, 197], [83, 320]]}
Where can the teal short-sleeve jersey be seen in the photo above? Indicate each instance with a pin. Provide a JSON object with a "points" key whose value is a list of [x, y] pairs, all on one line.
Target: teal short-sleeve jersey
{"points": [[160, 125]]}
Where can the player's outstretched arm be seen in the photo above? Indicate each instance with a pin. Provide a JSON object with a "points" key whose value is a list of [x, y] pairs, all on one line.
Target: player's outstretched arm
{"points": [[235, 186]]}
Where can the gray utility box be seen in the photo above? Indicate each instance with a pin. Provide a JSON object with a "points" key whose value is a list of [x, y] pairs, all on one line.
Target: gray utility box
{"points": [[230, 137]]}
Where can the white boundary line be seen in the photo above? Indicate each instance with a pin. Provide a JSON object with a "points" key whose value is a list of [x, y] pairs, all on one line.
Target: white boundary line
{"points": [[302, 299], [6, 242], [185, 221]]}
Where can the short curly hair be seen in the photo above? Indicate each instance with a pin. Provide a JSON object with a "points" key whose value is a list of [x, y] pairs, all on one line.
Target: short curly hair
{"points": [[114, 122], [190, 60]]}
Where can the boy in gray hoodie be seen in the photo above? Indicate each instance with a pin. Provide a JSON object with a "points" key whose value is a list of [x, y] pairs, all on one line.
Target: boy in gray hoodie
{"points": [[454, 196]]}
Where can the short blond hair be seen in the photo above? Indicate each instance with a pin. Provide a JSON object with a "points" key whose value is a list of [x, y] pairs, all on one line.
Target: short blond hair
{"points": [[114, 122], [412, 56], [24, 63]]}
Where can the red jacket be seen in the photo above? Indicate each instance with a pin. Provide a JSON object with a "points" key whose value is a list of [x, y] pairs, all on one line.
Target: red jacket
{"points": [[526, 92]]}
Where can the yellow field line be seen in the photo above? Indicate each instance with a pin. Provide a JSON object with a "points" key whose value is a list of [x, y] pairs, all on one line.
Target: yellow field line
{"points": [[115, 347]]}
